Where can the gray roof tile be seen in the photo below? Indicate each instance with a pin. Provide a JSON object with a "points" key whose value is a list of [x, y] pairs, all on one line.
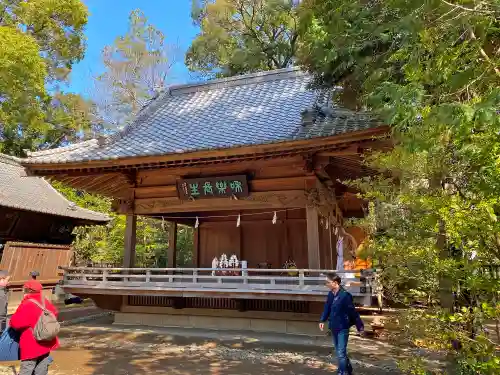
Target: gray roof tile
{"points": [[245, 110], [19, 191]]}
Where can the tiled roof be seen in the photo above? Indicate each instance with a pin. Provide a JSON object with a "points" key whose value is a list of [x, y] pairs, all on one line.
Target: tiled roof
{"points": [[19, 191], [252, 109]]}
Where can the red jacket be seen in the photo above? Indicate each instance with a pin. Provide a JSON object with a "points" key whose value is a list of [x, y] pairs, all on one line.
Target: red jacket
{"points": [[24, 320]]}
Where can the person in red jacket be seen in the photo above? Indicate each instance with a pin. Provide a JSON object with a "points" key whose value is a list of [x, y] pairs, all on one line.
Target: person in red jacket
{"points": [[35, 356]]}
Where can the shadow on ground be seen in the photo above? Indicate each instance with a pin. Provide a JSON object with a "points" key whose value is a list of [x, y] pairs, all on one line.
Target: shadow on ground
{"points": [[88, 351], [100, 348]]}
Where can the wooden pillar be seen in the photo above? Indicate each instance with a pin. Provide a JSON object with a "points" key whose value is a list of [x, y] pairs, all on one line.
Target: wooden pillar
{"points": [[313, 255], [172, 245], [332, 247], [130, 241], [239, 252], [196, 247], [285, 249]]}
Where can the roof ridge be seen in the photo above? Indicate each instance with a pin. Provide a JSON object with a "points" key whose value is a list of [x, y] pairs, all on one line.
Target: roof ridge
{"points": [[8, 159], [242, 79], [60, 150]]}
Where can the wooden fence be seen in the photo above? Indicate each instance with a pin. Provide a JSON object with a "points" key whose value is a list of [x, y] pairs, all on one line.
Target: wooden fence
{"points": [[20, 258]]}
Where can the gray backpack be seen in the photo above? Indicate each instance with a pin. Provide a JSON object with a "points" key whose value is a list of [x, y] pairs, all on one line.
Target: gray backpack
{"points": [[47, 327]]}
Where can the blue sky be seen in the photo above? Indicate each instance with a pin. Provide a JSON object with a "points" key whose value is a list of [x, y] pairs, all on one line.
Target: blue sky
{"points": [[109, 18]]}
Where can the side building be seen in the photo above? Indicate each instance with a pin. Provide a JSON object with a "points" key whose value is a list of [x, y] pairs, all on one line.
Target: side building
{"points": [[36, 225]]}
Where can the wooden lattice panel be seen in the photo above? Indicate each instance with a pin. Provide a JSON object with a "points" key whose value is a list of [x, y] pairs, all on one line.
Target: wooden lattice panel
{"points": [[222, 304], [211, 303], [159, 301], [278, 306]]}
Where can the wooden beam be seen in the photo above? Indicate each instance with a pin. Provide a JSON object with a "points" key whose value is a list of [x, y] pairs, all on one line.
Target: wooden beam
{"points": [[149, 177], [156, 191], [78, 182], [258, 185], [269, 200], [172, 246], [351, 150], [245, 223], [113, 187], [94, 183], [101, 181], [65, 179], [130, 241], [313, 253], [360, 148], [100, 184], [255, 169]]}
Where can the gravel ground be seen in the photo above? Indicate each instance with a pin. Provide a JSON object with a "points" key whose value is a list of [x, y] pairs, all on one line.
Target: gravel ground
{"points": [[101, 349]]}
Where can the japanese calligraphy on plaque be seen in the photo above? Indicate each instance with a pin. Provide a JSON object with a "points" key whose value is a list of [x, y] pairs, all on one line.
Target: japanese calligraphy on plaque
{"points": [[213, 187]]}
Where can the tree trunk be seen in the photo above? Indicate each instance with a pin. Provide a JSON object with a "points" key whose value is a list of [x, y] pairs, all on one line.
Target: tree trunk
{"points": [[446, 297]]}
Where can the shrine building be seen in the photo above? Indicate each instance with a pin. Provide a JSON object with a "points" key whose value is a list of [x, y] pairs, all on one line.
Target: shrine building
{"points": [[256, 165]]}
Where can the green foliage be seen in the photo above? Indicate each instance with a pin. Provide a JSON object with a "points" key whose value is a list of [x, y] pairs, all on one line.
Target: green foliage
{"points": [[243, 36], [435, 330], [430, 71], [57, 27], [105, 244], [71, 118], [137, 66], [22, 86], [39, 42]]}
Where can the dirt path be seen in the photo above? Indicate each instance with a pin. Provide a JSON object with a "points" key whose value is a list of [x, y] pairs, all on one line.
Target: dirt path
{"points": [[102, 349]]}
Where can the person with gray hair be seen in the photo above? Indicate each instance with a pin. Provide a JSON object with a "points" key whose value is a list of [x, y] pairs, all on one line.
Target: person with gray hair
{"points": [[4, 299]]}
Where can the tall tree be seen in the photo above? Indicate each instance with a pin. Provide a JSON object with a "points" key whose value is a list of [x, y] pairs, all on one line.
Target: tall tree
{"points": [[71, 118], [22, 87], [243, 36], [137, 67], [430, 70], [56, 26], [40, 41]]}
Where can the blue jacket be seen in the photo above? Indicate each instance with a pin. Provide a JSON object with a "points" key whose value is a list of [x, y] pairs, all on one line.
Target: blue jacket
{"points": [[340, 310]]}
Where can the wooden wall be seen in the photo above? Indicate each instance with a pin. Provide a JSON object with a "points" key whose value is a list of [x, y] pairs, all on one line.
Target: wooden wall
{"points": [[256, 240], [19, 259], [216, 239]]}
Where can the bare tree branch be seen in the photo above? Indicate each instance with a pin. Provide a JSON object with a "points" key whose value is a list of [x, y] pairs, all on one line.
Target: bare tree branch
{"points": [[469, 9], [484, 54]]}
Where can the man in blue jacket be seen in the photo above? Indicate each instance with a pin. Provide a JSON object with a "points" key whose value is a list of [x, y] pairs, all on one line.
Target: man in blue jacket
{"points": [[342, 315]]}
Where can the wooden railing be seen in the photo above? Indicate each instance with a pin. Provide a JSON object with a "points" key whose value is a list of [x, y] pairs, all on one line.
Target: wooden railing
{"points": [[301, 284]]}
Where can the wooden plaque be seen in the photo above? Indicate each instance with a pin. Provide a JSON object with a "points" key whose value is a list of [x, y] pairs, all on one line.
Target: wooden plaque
{"points": [[213, 187]]}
